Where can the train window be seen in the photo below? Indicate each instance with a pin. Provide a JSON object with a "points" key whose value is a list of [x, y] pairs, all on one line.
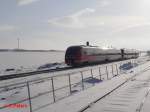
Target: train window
{"points": [[73, 50]]}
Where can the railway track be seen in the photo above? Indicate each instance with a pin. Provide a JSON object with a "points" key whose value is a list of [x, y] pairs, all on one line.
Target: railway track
{"points": [[119, 99], [25, 74], [18, 75]]}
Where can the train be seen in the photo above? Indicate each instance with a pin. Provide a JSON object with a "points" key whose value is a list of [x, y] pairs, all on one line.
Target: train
{"points": [[86, 54]]}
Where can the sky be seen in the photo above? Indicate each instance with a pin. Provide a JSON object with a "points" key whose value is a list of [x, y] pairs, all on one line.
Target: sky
{"points": [[57, 24]]}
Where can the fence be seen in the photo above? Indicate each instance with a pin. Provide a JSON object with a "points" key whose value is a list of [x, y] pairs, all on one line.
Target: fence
{"points": [[45, 91]]}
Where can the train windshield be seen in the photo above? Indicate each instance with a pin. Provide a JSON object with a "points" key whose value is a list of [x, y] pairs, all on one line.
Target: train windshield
{"points": [[73, 51]]}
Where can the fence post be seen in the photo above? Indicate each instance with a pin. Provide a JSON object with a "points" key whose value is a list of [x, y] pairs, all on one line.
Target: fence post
{"points": [[92, 76], [29, 97], [107, 72], [100, 73], [120, 67], [117, 69], [112, 70], [70, 84], [92, 73], [53, 89], [131, 61], [135, 61], [82, 81]]}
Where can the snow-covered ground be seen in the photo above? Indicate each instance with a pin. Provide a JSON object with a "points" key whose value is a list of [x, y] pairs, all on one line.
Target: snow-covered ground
{"points": [[128, 98], [137, 88], [41, 88], [15, 62]]}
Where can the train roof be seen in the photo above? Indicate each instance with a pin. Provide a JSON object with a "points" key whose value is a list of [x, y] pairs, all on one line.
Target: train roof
{"points": [[84, 46], [105, 49]]}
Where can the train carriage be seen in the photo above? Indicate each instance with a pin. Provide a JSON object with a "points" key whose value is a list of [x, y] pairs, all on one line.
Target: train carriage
{"points": [[78, 55]]}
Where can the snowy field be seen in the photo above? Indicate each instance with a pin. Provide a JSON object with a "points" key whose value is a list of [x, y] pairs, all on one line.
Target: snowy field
{"points": [[128, 98], [135, 91], [66, 83], [20, 61]]}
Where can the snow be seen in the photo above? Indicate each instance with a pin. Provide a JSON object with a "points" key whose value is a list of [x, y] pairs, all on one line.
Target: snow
{"points": [[43, 100], [78, 101], [127, 98], [146, 106], [27, 61]]}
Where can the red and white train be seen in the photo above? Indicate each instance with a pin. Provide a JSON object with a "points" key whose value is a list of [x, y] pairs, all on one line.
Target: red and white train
{"points": [[79, 55]]}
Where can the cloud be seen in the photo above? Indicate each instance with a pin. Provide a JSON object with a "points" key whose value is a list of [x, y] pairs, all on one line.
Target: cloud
{"points": [[80, 19], [25, 2], [104, 3], [131, 26], [83, 12], [7, 28], [88, 18], [121, 23]]}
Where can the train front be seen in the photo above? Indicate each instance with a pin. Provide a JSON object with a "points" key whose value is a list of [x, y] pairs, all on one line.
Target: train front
{"points": [[73, 56]]}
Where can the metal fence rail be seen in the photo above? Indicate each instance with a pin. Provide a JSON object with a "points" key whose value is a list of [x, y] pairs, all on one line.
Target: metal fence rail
{"points": [[74, 82]]}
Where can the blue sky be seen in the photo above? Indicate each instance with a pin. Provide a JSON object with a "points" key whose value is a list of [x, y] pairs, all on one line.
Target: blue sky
{"points": [[57, 24]]}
